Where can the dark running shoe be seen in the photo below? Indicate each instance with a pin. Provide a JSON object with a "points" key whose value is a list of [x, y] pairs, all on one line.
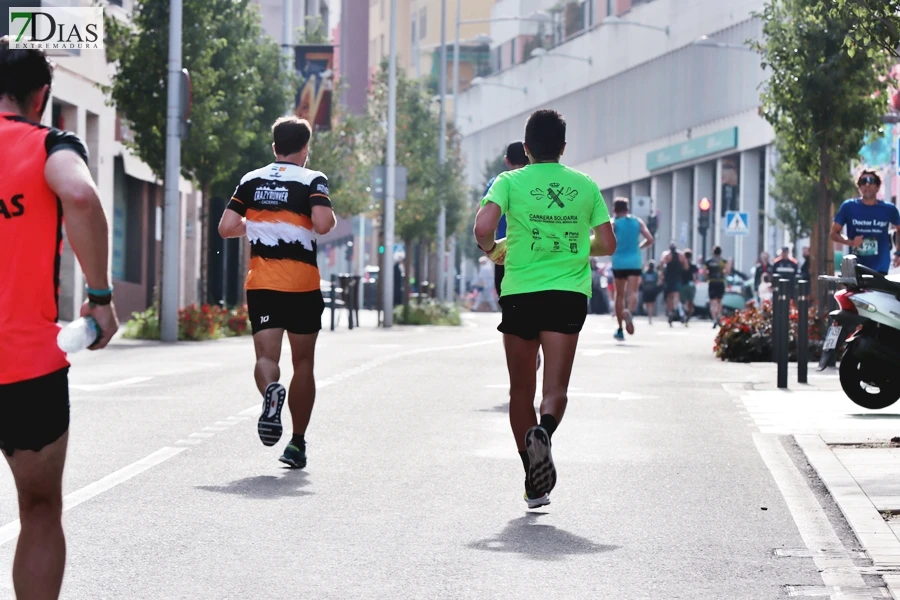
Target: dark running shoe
{"points": [[534, 500], [541, 470], [294, 456], [269, 426]]}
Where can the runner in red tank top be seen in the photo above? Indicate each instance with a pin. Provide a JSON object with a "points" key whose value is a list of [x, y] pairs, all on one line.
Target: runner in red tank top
{"points": [[43, 178]]}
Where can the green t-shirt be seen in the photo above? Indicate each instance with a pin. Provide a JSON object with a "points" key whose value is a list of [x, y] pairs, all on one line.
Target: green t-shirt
{"points": [[550, 212]]}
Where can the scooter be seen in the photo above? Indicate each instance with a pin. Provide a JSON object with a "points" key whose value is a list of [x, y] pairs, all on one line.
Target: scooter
{"points": [[870, 312]]}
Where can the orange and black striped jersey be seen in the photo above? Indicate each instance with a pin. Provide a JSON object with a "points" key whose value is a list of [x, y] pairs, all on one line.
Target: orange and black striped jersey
{"points": [[277, 202], [31, 222]]}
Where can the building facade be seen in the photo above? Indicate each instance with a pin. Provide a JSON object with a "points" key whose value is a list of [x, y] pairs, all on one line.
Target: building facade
{"points": [[652, 114], [132, 197]]}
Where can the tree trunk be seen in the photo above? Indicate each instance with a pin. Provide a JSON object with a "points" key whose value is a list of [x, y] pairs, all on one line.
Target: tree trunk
{"points": [[407, 271], [204, 246], [823, 258]]}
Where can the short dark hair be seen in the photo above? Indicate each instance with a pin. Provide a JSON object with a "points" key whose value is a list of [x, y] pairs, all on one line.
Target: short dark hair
{"points": [[867, 172], [717, 251], [22, 73], [545, 135], [620, 205], [689, 254], [515, 154], [291, 135]]}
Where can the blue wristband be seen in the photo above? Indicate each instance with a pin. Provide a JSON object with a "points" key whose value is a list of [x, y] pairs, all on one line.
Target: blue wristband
{"points": [[100, 293]]}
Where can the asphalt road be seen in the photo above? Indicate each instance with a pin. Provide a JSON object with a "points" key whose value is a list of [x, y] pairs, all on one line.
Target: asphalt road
{"points": [[414, 487]]}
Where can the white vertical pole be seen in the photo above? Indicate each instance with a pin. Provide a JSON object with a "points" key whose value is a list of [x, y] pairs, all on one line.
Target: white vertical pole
{"points": [[442, 158], [387, 267], [168, 318]]}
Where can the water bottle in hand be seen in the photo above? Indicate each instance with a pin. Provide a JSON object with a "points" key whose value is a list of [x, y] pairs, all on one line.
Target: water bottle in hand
{"points": [[79, 334]]}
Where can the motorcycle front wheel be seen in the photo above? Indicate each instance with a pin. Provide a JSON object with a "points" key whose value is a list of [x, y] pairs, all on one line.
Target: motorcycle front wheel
{"points": [[857, 384]]}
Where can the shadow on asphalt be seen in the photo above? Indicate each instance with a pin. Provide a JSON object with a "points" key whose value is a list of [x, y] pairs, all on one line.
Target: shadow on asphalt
{"points": [[500, 408], [265, 486], [529, 538], [874, 416]]}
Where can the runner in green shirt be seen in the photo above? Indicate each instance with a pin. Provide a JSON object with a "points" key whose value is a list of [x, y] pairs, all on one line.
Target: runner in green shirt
{"points": [[551, 212]]}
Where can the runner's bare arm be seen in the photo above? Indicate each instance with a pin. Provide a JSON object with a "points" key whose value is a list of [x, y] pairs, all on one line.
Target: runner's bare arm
{"points": [[838, 236], [486, 222], [232, 224], [323, 219], [603, 242], [87, 229], [645, 231]]}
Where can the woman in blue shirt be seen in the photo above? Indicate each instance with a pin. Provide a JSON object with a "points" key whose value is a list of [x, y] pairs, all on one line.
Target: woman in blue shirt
{"points": [[627, 262]]}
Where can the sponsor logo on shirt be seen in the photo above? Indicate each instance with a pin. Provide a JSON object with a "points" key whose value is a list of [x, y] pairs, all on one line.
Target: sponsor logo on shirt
{"points": [[322, 189]]}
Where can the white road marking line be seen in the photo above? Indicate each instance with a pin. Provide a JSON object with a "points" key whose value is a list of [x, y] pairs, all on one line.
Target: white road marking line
{"points": [[602, 351], [838, 569], [10, 531], [94, 387], [192, 442]]}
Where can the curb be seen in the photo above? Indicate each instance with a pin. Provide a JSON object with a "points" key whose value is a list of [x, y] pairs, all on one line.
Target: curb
{"points": [[876, 537]]}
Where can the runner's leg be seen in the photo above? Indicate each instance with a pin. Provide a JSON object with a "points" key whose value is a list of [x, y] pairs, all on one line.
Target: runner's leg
{"points": [[302, 393], [41, 550], [267, 344], [620, 304], [521, 355]]}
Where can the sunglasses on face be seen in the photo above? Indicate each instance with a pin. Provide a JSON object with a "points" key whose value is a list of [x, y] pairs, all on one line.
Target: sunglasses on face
{"points": [[868, 180]]}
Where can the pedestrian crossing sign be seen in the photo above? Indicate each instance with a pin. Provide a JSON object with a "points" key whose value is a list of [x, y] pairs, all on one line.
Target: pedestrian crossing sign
{"points": [[737, 223]]}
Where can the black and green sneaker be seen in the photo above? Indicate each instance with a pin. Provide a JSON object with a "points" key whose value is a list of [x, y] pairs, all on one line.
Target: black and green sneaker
{"points": [[294, 456]]}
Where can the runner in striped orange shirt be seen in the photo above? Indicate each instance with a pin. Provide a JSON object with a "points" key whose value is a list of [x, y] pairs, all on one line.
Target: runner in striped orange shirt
{"points": [[280, 208]]}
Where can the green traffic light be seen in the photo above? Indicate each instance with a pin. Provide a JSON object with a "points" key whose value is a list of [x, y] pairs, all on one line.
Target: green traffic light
{"points": [[380, 249]]}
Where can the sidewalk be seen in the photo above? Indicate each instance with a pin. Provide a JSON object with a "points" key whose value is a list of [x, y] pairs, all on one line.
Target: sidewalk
{"points": [[863, 477]]}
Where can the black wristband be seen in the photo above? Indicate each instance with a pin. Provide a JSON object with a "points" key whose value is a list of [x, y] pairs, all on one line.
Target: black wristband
{"points": [[100, 300]]}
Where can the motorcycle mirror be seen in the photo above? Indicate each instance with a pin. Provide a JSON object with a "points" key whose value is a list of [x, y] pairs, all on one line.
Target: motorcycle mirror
{"points": [[848, 267]]}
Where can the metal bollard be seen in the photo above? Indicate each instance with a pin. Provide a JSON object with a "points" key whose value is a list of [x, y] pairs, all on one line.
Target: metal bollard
{"points": [[350, 300], [775, 304], [357, 283], [333, 298], [803, 330], [782, 322]]}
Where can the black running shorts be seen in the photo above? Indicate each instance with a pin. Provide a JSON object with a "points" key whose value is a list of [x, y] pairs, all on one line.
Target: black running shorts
{"points": [[34, 413], [295, 312], [626, 273], [498, 277], [716, 290], [527, 315]]}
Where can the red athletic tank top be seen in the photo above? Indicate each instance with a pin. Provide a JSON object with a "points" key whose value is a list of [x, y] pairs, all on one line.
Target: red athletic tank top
{"points": [[31, 222]]}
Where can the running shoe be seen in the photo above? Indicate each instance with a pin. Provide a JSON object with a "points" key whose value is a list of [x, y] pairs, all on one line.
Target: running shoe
{"points": [[629, 323], [269, 426], [619, 335], [294, 457], [534, 500], [541, 470]]}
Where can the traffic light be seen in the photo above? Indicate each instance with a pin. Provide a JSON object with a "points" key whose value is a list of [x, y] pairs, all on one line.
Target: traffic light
{"points": [[381, 249], [703, 221]]}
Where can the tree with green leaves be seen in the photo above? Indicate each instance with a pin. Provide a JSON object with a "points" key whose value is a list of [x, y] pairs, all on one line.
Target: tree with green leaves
{"points": [[230, 63], [417, 149], [820, 100], [873, 25], [797, 196]]}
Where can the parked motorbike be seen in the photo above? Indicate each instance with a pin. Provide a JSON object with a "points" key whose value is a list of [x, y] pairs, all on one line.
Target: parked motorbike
{"points": [[869, 317]]}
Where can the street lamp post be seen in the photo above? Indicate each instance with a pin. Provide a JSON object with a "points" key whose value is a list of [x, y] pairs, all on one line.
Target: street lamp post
{"points": [[168, 311], [442, 157], [455, 123], [387, 268]]}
